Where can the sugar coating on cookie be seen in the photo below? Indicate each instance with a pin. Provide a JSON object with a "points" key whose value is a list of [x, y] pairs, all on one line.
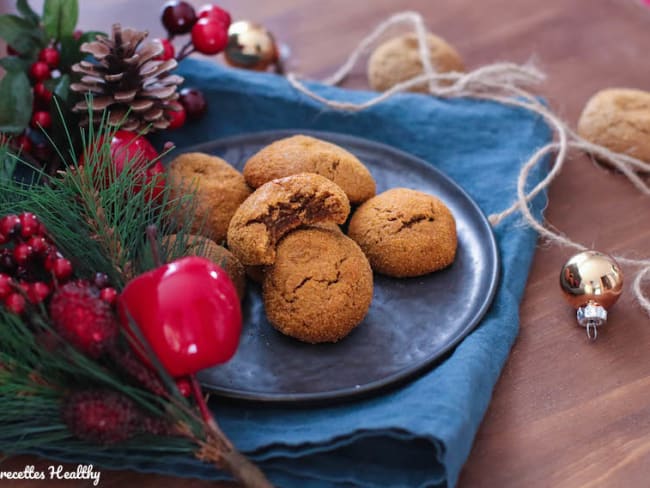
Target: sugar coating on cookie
{"points": [[304, 154], [193, 245], [320, 287], [398, 60], [405, 232], [280, 206], [218, 187]]}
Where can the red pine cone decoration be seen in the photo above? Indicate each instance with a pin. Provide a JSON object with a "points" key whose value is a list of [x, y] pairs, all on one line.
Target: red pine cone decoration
{"points": [[83, 319]]}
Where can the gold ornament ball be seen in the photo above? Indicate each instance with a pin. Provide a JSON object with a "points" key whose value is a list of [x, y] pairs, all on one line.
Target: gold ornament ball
{"points": [[250, 46], [591, 277]]}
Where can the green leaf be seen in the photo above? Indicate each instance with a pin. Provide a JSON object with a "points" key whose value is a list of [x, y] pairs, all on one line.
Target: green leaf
{"points": [[15, 102], [62, 89], [91, 36], [20, 34], [60, 17], [23, 7], [14, 63]]}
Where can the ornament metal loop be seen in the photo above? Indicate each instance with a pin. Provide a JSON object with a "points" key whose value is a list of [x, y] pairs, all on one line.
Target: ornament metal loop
{"points": [[592, 330]]}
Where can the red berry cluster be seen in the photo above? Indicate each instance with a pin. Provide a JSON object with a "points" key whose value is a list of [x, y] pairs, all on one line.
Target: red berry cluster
{"points": [[208, 29], [29, 262]]}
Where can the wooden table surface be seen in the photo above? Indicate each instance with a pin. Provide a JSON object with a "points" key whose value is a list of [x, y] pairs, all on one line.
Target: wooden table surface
{"points": [[565, 412]]}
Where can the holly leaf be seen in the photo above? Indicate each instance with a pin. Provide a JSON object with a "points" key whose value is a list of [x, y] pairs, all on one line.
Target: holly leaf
{"points": [[28, 14], [60, 17], [19, 34], [15, 102], [14, 63]]}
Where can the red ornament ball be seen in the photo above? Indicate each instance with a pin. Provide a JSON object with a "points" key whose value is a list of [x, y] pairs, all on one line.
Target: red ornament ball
{"points": [[50, 56], [215, 12], [209, 36], [178, 17], [176, 116], [83, 319], [39, 71], [41, 119], [194, 103]]}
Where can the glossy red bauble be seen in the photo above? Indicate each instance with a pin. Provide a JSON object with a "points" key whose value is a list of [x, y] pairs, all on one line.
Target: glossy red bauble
{"points": [[50, 56], [131, 148], [176, 116], [188, 311], [39, 71], [178, 17], [209, 36], [215, 12]]}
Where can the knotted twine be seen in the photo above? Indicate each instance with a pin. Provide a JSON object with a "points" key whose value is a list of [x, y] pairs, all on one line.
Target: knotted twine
{"points": [[506, 83]]}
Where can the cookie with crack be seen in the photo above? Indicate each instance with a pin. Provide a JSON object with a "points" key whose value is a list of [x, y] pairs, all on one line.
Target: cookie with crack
{"points": [[405, 233], [219, 187], [304, 154], [278, 207], [319, 288]]}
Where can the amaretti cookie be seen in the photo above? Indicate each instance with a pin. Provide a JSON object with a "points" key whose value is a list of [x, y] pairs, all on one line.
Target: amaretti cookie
{"points": [[219, 190], [405, 233], [320, 287], [398, 60], [619, 119], [192, 245], [280, 206], [304, 154]]}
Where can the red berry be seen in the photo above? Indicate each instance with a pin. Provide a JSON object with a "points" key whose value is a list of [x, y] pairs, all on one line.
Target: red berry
{"points": [[168, 50], [22, 253], [41, 119], [39, 245], [29, 225], [15, 303], [42, 93], [6, 285], [108, 295], [194, 103], [184, 387], [214, 12], [24, 143], [49, 56], [178, 17], [39, 71], [176, 116], [62, 269], [9, 225], [209, 36], [38, 292], [51, 258]]}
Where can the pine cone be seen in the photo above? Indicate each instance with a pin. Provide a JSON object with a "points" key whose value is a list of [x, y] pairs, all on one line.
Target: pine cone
{"points": [[125, 79]]}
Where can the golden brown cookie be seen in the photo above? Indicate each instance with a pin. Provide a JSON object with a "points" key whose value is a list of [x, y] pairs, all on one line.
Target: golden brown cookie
{"points": [[304, 154], [618, 119], [320, 286], [405, 232], [399, 60], [192, 245], [219, 187], [280, 206]]}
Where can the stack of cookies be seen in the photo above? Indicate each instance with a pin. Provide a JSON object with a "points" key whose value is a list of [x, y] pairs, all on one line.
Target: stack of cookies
{"points": [[317, 281]]}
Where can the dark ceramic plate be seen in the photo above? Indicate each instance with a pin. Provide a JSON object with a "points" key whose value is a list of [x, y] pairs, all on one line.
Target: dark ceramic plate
{"points": [[411, 323]]}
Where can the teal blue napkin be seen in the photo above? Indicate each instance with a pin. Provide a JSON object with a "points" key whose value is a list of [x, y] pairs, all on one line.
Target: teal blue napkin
{"points": [[420, 434]]}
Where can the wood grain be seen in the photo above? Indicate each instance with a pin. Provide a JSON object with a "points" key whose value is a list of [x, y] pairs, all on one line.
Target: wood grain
{"points": [[565, 413]]}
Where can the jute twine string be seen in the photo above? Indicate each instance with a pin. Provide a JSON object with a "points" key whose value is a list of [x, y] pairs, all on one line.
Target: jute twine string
{"points": [[505, 83]]}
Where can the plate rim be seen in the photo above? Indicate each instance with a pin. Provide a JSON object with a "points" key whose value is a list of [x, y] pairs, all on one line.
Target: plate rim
{"points": [[404, 375]]}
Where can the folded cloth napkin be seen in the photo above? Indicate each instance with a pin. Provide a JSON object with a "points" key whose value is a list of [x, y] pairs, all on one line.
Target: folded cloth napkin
{"points": [[419, 434]]}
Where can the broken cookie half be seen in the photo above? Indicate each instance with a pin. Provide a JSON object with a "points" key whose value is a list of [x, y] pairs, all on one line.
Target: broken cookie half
{"points": [[280, 206]]}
